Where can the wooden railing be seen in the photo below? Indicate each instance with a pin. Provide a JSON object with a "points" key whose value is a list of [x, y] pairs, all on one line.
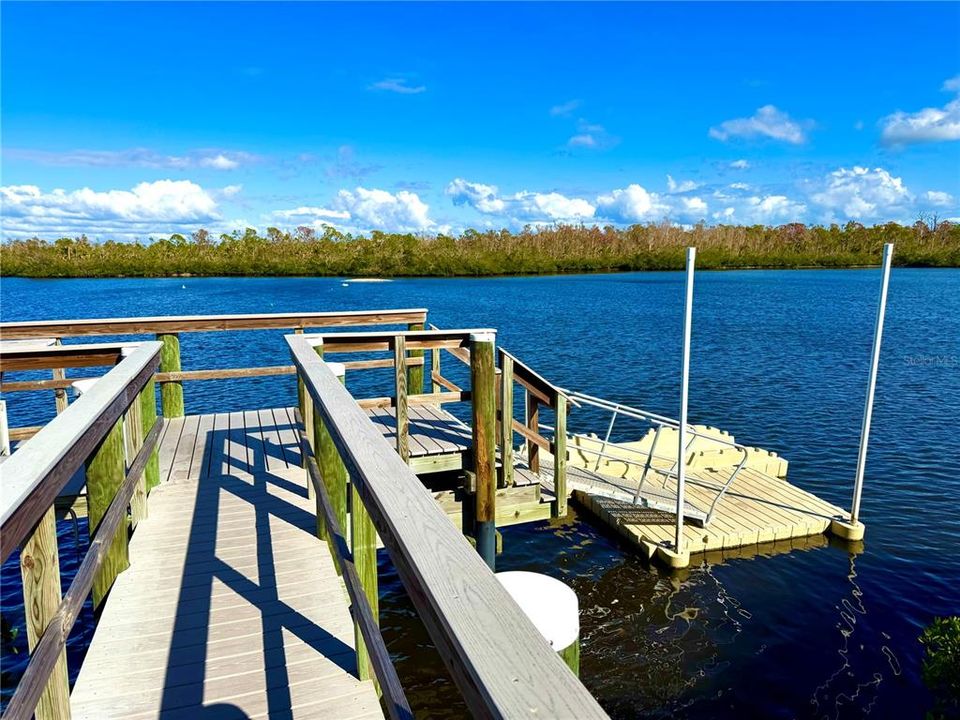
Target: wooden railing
{"points": [[500, 662], [167, 330], [539, 392], [113, 430], [478, 347]]}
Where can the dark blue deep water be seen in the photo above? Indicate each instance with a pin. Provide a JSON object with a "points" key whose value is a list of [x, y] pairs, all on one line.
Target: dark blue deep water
{"points": [[779, 359]]}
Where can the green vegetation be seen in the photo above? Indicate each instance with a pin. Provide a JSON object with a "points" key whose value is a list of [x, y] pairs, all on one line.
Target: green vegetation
{"points": [[941, 665], [556, 249]]}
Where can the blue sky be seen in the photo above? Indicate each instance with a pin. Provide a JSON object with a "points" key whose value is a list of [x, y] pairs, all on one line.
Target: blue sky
{"points": [[131, 120]]}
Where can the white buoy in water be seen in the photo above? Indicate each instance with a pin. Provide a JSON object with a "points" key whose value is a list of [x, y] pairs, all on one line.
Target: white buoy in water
{"points": [[552, 607]]}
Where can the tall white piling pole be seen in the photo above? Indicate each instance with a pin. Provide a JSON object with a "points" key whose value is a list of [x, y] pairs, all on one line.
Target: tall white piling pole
{"points": [[872, 383], [684, 386]]}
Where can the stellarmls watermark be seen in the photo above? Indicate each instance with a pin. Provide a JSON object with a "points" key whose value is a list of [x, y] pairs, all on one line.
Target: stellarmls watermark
{"points": [[949, 361]]}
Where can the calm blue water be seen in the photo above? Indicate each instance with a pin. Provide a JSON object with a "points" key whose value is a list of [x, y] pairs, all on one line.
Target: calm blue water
{"points": [[779, 359]]}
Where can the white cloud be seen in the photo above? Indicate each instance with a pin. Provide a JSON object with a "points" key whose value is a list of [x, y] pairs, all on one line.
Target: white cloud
{"points": [[383, 210], [926, 125], [219, 162], [162, 206], [864, 194], [564, 109], [774, 209], [137, 157], [231, 190], [938, 198], [477, 195], [680, 187], [520, 207], [767, 122], [592, 135], [582, 140], [740, 164], [632, 204], [398, 85]]}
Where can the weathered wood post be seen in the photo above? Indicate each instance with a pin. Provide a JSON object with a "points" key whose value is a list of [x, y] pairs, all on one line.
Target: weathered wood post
{"points": [[506, 420], [363, 546], [133, 440], [305, 403], [171, 392], [415, 372], [106, 469], [435, 387], [400, 384], [533, 424], [331, 466], [40, 570], [60, 393], [559, 508], [483, 391], [148, 416]]}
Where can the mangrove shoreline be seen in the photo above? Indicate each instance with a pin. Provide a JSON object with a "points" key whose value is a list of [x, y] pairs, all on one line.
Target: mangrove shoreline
{"points": [[560, 249]]}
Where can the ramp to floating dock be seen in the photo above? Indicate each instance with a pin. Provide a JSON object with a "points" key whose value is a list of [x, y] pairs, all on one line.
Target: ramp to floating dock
{"points": [[231, 606]]}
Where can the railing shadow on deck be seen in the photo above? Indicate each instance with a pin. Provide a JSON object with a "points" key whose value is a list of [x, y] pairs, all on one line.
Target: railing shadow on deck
{"points": [[184, 682]]}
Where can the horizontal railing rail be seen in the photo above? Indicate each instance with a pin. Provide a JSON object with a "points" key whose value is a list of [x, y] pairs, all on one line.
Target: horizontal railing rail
{"points": [[168, 328], [500, 662], [113, 430], [164, 324]]}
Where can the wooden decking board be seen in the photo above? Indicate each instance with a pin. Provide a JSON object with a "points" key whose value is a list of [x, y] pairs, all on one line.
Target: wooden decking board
{"points": [[432, 430], [230, 599]]}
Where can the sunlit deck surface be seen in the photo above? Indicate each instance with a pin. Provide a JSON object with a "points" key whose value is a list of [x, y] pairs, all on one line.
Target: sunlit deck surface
{"points": [[231, 607]]}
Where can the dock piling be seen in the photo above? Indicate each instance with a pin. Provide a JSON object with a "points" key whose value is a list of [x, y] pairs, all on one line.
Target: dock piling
{"points": [[400, 385], [415, 372], [171, 391], [678, 548], [106, 471], [506, 420], [560, 458], [40, 571], [332, 469], [484, 410]]}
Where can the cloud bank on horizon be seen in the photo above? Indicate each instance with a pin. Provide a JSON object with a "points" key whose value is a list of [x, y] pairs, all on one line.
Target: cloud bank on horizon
{"points": [[430, 140]]}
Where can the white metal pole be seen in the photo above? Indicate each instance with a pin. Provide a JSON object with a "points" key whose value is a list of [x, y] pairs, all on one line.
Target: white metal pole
{"points": [[684, 385], [872, 383]]}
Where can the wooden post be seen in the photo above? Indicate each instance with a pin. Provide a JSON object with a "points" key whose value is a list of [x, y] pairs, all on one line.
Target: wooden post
{"points": [[506, 420], [415, 372], [305, 403], [133, 440], [400, 372], [483, 379], [105, 474], [40, 570], [533, 423], [60, 393], [435, 387], [171, 393], [559, 508], [148, 418], [331, 466], [363, 545]]}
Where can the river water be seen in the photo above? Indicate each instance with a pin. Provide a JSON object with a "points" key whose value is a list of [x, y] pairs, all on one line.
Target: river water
{"points": [[779, 359]]}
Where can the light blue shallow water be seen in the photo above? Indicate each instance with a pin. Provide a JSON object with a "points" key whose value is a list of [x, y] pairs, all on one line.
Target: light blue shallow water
{"points": [[779, 359]]}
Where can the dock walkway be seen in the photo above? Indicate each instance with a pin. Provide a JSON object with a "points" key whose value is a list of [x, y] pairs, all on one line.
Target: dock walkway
{"points": [[231, 606]]}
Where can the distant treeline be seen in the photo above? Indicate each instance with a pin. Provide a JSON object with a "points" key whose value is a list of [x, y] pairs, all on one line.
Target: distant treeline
{"points": [[544, 250]]}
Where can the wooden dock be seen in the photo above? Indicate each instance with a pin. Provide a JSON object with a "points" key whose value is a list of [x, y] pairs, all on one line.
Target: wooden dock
{"points": [[230, 604], [233, 555]]}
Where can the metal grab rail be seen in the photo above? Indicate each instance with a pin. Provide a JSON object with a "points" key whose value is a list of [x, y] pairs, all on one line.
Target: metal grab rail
{"points": [[645, 459]]}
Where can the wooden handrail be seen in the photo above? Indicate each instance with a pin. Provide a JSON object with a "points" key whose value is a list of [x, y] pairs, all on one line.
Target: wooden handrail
{"points": [[205, 323], [47, 651], [501, 663], [545, 391], [396, 701], [19, 357], [383, 341], [37, 472]]}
